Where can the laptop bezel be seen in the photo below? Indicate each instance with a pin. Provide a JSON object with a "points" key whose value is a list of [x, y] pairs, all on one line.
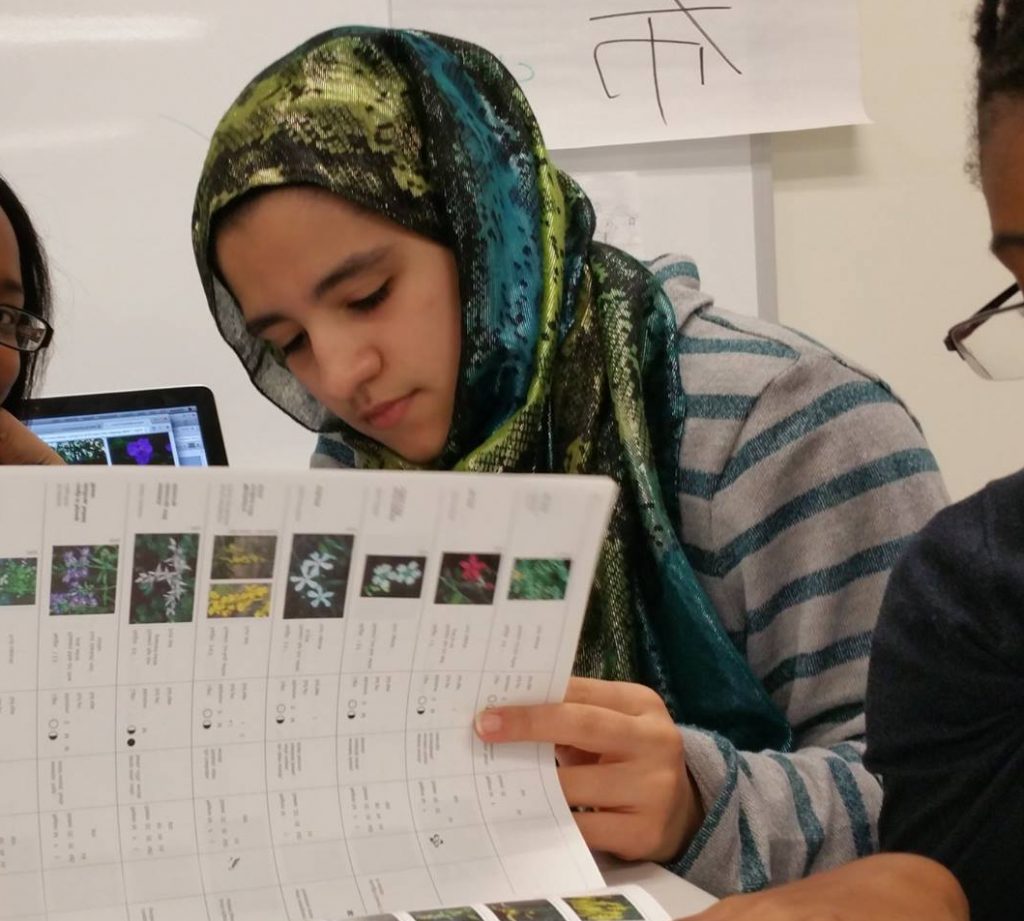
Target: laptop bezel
{"points": [[87, 404]]}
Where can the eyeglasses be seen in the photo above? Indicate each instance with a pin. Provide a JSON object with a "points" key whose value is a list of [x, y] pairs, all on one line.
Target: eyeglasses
{"points": [[991, 341], [23, 331]]}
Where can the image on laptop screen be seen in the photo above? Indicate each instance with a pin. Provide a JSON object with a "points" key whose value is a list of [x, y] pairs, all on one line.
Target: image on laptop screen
{"points": [[172, 427]]}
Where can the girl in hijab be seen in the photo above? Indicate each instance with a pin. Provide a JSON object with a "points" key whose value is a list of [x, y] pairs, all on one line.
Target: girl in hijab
{"points": [[386, 245]]}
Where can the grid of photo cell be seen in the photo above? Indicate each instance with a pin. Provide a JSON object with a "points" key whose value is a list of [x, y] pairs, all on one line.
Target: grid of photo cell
{"points": [[464, 578], [149, 449], [241, 574], [612, 906]]}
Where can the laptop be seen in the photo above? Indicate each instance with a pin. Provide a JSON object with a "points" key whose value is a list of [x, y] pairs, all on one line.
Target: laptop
{"points": [[169, 426]]}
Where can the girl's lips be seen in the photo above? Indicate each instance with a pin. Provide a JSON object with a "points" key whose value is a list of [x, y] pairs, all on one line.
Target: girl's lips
{"points": [[387, 415]]}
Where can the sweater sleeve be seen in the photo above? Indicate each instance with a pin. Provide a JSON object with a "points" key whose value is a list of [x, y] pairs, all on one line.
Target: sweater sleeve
{"points": [[945, 695], [826, 480]]}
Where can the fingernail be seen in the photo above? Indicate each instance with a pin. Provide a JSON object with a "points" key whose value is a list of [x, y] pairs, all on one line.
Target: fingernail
{"points": [[488, 722]]}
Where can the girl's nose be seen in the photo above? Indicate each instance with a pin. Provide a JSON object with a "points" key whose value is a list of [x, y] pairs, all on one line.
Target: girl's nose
{"points": [[344, 365]]}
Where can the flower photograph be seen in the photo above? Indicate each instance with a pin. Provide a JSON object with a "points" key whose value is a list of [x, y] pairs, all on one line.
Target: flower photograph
{"points": [[17, 581], [82, 451], [467, 578], [239, 599], [153, 449], [318, 575], [532, 910], [164, 578], [539, 580], [83, 580], [459, 913], [393, 576], [604, 908], [243, 557]]}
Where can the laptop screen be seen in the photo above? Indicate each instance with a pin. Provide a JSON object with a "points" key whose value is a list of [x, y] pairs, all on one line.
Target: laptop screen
{"points": [[171, 427]]}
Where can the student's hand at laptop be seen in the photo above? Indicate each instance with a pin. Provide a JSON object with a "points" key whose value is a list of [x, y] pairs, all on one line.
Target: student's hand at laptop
{"points": [[886, 887], [18, 445], [620, 762]]}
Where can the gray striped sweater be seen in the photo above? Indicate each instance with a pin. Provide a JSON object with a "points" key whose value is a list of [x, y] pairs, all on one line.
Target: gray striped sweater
{"points": [[802, 479]]}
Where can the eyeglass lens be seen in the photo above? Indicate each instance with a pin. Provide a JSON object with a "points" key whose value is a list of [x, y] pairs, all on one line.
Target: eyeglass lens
{"points": [[996, 346], [21, 330]]}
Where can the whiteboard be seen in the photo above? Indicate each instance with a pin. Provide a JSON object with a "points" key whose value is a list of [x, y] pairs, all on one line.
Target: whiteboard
{"points": [[106, 111]]}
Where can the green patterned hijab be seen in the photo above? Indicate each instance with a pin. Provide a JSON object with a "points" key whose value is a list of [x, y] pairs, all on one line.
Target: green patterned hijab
{"points": [[569, 361]]}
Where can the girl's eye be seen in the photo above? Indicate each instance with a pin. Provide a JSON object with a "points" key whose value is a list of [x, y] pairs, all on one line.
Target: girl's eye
{"points": [[372, 300], [293, 345]]}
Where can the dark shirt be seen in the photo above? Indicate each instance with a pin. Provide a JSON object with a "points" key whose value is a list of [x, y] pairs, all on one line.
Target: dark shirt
{"points": [[945, 706]]}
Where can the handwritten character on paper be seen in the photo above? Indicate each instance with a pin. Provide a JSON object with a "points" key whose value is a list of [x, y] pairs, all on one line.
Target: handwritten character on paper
{"points": [[678, 10]]}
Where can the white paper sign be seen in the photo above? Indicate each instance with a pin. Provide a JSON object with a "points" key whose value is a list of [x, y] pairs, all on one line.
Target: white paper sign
{"points": [[602, 72]]}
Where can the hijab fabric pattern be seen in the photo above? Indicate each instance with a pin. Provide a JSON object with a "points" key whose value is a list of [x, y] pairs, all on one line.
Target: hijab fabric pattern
{"points": [[569, 355]]}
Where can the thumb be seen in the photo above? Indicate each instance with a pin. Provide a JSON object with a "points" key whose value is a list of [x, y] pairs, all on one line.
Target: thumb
{"points": [[18, 445]]}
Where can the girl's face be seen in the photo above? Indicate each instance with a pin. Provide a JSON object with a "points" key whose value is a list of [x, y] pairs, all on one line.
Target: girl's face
{"points": [[1002, 181], [366, 313], [12, 295]]}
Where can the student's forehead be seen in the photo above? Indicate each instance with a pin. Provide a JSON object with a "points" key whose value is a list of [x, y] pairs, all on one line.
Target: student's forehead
{"points": [[10, 272]]}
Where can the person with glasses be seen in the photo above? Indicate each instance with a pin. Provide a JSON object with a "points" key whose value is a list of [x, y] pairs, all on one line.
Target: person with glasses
{"points": [[946, 687], [25, 330]]}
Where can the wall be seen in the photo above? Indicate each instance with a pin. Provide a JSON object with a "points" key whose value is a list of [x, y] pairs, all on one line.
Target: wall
{"points": [[882, 237]]}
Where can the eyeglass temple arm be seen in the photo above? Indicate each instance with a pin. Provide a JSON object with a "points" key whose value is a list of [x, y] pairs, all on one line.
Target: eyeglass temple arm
{"points": [[993, 304]]}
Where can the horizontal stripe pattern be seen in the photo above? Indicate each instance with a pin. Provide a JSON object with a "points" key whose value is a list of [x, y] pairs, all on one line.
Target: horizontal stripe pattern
{"points": [[813, 664], [835, 716], [801, 480], [799, 425], [826, 582], [718, 406], [680, 269], [692, 345], [834, 492]]}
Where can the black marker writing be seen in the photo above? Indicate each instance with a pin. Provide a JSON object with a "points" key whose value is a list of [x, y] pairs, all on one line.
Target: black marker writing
{"points": [[653, 42]]}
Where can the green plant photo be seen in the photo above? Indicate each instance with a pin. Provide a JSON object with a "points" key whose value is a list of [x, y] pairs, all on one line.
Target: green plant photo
{"points": [[164, 578], [539, 580], [18, 581]]}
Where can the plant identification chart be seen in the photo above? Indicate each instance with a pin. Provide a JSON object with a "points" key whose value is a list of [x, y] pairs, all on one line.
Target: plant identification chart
{"points": [[233, 696]]}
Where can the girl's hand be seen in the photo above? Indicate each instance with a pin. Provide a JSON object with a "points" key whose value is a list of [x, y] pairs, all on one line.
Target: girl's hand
{"points": [[621, 765], [18, 445], [886, 887]]}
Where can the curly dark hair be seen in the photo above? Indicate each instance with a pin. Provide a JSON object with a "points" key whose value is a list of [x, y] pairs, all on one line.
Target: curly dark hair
{"points": [[999, 39], [35, 279]]}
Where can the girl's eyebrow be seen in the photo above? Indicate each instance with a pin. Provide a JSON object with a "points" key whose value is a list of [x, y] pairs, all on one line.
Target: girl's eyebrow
{"points": [[1005, 240], [10, 286], [348, 268], [353, 265]]}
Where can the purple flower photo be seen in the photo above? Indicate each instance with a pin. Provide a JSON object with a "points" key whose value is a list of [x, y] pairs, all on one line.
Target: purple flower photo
{"points": [[83, 580], [149, 450]]}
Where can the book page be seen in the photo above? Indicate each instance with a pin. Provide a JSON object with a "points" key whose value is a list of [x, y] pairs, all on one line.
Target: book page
{"points": [[229, 696], [621, 903]]}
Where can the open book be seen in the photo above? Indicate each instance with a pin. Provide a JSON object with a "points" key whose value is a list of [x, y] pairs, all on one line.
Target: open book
{"points": [[228, 696]]}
